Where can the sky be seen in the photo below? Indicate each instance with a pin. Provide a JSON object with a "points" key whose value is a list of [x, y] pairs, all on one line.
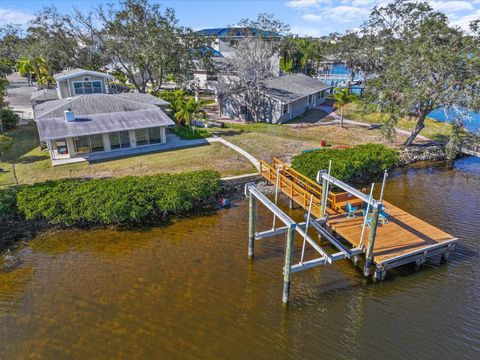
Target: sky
{"points": [[305, 17]]}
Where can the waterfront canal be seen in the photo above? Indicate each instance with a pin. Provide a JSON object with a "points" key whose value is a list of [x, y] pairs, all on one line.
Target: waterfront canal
{"points": [[187, 290]]}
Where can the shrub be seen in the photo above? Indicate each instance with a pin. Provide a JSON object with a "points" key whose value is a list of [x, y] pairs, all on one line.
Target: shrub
{"points": [[6, 143], [9, 119], [116, 201], [190, 133], [8, 203], [358, 164]]}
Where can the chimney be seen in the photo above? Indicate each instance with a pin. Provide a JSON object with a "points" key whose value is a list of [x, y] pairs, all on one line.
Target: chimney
{"points": [[69, 115]]}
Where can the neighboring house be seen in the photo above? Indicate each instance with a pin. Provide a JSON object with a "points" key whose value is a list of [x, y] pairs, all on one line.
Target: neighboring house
{"points": [[100, 123], [225, 39], [221, 47], [76, 82], [283, 98]]}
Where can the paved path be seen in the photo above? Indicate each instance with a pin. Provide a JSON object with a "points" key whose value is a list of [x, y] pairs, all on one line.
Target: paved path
{"points": [[18, 97], [236, 148]]}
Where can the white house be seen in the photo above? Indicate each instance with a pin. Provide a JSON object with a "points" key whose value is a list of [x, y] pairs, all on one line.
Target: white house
{"points": [[85, 119]]}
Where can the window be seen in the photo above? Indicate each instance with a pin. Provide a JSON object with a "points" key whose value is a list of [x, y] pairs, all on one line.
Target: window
{"points": [[285, 109], [119, 140], [87, 144], [148, 136], [141, 135], [82, 144], [124, 139], [154, 135], [310, 99], [114, 140], [87, 87]]}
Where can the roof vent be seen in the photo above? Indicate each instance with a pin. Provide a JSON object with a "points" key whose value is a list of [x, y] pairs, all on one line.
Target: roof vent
{"points": [[69, 115]]}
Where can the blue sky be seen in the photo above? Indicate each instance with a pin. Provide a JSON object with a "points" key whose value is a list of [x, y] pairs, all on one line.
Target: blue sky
{"points": [[306, 17]]}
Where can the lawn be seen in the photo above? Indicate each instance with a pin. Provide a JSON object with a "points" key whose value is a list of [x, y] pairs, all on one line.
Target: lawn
{"points": [[33, 165], [265, 141], [435, 130]]}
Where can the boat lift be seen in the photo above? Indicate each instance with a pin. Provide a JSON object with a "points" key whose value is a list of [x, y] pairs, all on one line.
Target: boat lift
{"points": [[302, 228]]}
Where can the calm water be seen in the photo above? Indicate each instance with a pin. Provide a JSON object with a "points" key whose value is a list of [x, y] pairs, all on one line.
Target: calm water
{"points": [[187, 290]]}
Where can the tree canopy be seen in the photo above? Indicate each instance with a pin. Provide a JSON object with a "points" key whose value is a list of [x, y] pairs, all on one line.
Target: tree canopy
{"points": [[418, 62]]}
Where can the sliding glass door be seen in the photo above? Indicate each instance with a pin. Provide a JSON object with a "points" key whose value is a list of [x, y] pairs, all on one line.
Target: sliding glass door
{"points": [[88, 144], [119, 140], [148, 136]]}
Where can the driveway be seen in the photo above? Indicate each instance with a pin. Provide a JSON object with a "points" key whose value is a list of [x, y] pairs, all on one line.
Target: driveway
{"points": [[18, 97]]}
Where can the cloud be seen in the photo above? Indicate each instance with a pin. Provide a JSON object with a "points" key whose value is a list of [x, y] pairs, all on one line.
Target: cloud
{"points": [[465, 20], [312, 17], [302, 3], [338, 14], [451, 6], [9, 16], [308, 31]]}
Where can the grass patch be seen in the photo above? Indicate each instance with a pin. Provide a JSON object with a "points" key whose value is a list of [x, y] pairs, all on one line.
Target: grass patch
{"points": [[191, 132], [265, 141], [435, 130], [33, 165]]}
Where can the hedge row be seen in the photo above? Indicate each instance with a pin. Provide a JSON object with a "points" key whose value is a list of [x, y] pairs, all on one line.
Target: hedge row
{"points": [[358, 164], [111, 201]]}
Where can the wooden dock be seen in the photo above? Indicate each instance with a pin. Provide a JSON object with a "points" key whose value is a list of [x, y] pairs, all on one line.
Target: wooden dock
{"points": [[403, 239]]}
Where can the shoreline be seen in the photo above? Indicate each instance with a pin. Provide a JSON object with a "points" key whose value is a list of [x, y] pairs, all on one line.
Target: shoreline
{"points": [[20, 231]]}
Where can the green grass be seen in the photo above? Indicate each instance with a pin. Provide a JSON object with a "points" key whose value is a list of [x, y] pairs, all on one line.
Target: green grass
{"points": [[434, 130], [265, 141], [33, 165]]}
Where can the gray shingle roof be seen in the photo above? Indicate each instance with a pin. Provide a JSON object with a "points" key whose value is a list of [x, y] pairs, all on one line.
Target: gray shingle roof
{"points": [[76, 72], [44, 95], [94, 104], [59, 128], [144, 98], [292, 87]]}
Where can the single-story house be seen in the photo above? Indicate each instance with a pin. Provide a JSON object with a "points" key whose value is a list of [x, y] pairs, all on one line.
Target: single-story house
{"points": [[85, 124], [283, 98]]}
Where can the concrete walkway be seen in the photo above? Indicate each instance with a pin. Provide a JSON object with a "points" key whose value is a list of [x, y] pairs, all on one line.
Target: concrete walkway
{"points": [[236, 148]]}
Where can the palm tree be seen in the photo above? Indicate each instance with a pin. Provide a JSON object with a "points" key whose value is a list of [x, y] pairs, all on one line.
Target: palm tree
{"points": [[342, 98], [43, 73], [25, 67], [188, 110]]}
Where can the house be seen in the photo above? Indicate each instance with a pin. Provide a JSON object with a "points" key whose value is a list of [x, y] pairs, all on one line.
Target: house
{"points": [[76, 82], [224, 39], [78, 127], [221, 47], [283, 98]]}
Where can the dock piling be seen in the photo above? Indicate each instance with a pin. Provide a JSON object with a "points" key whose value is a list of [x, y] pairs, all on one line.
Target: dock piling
{"points": [[371, 242], [252, 214], [287, 269]]}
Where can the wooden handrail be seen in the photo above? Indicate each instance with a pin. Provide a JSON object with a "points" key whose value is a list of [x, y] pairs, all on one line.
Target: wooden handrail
{"points": [[297, 184]]}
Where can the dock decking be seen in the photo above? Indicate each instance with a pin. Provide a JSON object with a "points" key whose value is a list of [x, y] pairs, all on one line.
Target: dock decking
{"points": [[403, 239]]}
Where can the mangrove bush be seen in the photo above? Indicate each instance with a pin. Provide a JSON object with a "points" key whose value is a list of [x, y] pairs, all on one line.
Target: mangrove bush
{"points": [[358, 164], [115, 201]]}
